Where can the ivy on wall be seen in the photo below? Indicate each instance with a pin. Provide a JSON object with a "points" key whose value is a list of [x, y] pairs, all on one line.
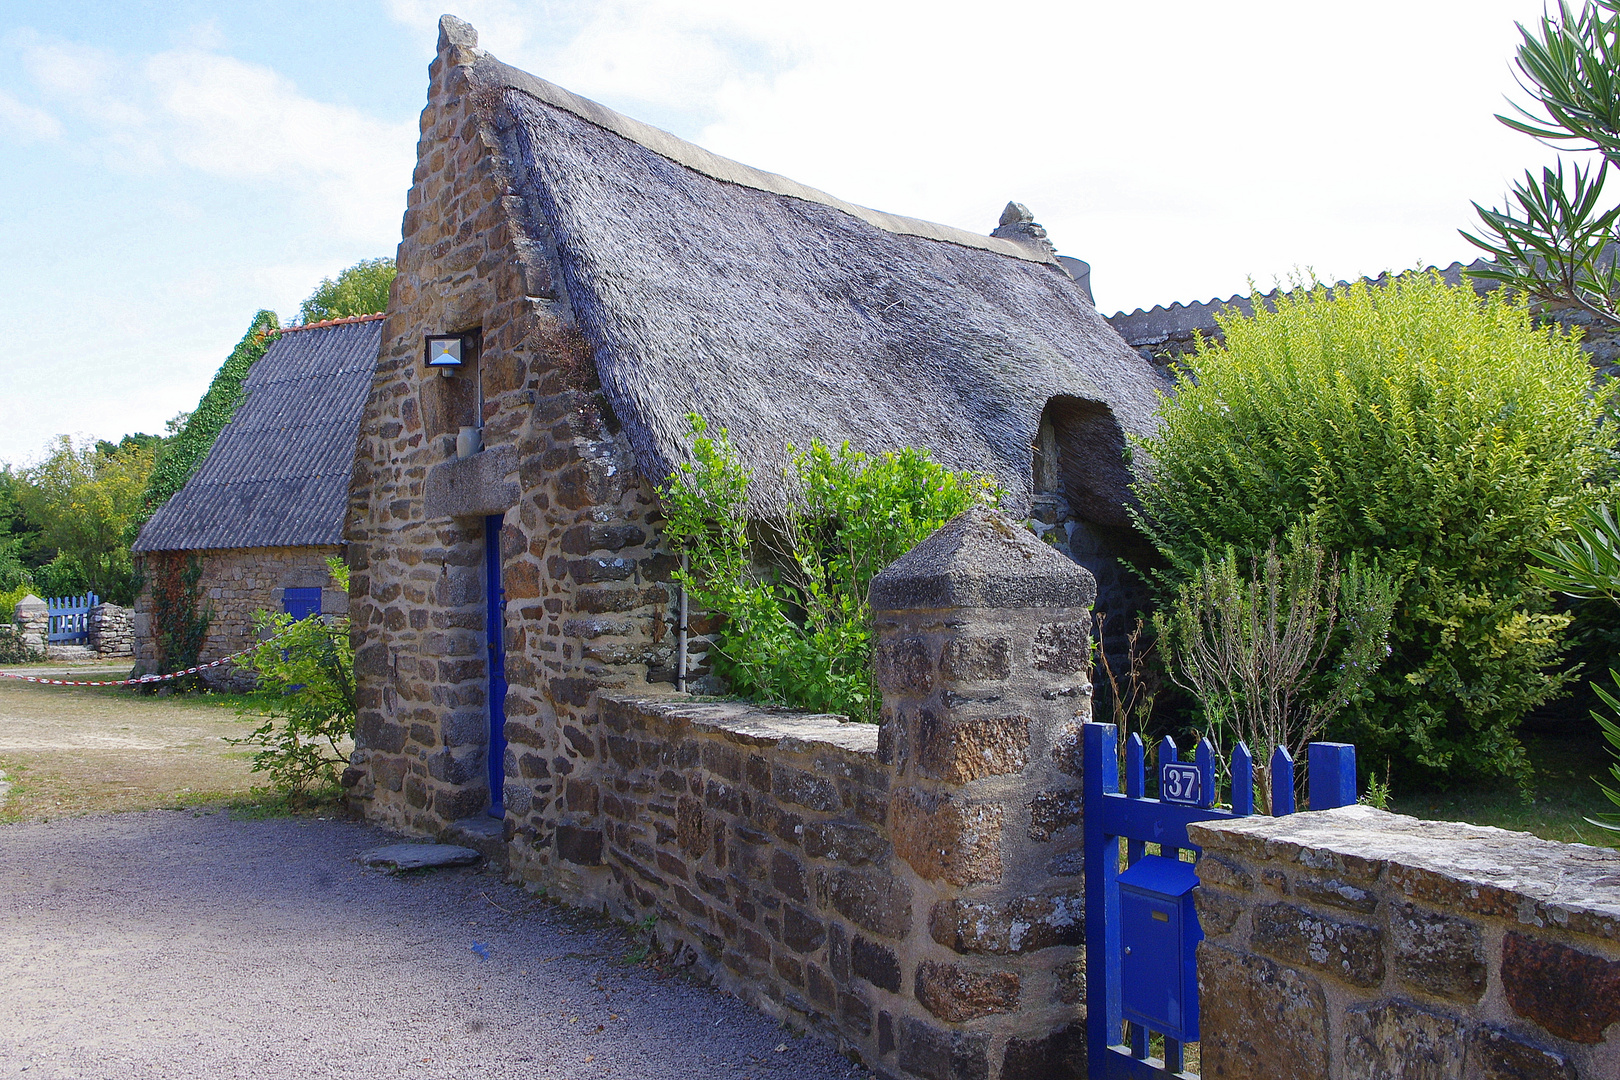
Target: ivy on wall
{"points": [[179, 620], [186, 451]]}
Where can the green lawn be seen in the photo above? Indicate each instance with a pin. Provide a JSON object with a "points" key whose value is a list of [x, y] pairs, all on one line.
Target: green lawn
{"points": [[1564, 792]]}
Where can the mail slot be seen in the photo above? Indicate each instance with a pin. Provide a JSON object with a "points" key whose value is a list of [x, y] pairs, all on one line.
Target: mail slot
{"points": [[1159, 934]]}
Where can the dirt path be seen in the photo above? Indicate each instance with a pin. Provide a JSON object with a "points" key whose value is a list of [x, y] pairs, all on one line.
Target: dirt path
{"points": [[75, 750], [187, 944]]}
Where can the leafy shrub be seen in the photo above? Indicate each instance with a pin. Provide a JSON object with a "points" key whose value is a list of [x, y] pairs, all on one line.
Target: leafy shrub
{"points": [[307, 668], [9, 601], [1251, 648], [1416, 424], [180, 619], [798, 630], [13, 649], [362, 289], [62, 576], [1585, 564]]}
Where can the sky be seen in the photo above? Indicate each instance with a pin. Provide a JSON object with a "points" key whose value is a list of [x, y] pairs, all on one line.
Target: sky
{"points": [[170, 168]]}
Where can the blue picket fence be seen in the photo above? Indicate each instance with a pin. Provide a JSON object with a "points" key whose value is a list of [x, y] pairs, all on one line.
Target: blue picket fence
{"points": [[70, 618], [1141, 973]]}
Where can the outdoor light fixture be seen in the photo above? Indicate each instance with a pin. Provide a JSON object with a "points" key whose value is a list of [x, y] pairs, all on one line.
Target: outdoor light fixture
{"points": [[444, 351]]}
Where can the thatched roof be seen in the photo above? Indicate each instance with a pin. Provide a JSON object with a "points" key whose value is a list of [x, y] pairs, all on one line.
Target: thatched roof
{"points": [[784, 314], [278, 475]]}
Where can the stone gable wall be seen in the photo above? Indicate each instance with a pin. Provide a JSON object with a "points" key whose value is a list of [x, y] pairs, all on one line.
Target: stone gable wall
{"points": [[236, 584], [1353, 944], [587, 599]]}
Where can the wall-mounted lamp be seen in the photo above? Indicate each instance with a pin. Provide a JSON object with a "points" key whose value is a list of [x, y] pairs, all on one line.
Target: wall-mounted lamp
{"points": [[444, 352]]}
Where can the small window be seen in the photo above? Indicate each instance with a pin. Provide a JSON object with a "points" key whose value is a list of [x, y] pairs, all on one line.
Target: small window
{"points": [[301, 603]]}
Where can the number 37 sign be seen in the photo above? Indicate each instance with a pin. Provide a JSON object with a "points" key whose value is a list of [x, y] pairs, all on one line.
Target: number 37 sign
{"points": [[1180, 782]]}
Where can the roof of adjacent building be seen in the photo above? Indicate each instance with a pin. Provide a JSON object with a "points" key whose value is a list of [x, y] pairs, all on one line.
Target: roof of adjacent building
{"points": [[278, 475], [784, 314], [1161, 326]]}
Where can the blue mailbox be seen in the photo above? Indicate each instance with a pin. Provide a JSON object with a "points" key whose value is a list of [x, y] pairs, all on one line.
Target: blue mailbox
{"points": [[1159, 934]]}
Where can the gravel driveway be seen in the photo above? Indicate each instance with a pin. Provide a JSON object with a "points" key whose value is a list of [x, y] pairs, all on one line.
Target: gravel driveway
{"points": [[186, 944]]}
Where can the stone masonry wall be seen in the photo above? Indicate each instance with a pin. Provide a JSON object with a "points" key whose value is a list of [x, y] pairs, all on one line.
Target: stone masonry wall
{"points": [[587, 601], [236, 584], [1354, 944], [911, 891], [112, 630]]}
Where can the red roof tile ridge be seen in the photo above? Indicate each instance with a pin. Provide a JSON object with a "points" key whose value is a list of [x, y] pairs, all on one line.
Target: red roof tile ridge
{"points": [[333, 322]]}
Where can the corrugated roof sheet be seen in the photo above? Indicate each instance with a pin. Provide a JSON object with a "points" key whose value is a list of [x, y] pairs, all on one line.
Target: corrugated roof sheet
{"points": [[278, 475], [1155, 327]]}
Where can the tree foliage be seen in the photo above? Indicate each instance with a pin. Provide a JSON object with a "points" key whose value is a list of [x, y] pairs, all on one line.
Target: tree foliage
{"points": [[362, 289], [798, 629], [83, 498], [1417, 425], [307, 667], [1554, 242]]}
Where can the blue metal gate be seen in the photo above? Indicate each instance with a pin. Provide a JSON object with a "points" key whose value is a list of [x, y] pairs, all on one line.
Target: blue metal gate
{"points": [[1141, 928]]}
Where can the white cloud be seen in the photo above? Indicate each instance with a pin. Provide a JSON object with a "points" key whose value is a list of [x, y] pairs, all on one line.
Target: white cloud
{"points": [[225, 118], [25, 122], [1179, 145]]}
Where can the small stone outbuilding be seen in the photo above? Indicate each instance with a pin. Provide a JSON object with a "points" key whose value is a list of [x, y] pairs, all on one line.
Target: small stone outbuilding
{"points": [[257, 521]]}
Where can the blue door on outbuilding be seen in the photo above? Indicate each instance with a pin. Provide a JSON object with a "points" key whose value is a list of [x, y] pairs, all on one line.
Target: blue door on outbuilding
{"points": [[301, 603]]}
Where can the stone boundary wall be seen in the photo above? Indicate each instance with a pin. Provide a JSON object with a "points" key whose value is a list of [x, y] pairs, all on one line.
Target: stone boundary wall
{"points": [[236, 584], [1354, 944], [112, 630], [912, 891]]}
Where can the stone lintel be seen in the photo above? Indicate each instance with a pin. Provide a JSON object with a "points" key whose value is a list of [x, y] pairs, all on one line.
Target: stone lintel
{"points": [[473, 487], [982, 559], [1476, 868]]}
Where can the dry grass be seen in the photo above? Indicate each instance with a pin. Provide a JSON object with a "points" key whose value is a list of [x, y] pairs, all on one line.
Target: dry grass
{"points": [[67, 751]]}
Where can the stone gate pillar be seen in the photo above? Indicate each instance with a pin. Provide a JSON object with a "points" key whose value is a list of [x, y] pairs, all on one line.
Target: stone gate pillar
{"points": [[33, 618], [983, 659]]}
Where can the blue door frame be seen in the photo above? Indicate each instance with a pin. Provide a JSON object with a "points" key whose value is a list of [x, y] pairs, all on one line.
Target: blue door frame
{"points": [[1112, 815], [494, 633]]}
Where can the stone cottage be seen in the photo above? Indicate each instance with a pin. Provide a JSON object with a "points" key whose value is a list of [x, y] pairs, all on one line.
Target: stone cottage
{"points": [[265, 509], [572, 285]]}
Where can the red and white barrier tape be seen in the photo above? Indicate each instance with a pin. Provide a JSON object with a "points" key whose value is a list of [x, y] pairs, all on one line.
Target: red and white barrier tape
{"points": [[144, 680]]}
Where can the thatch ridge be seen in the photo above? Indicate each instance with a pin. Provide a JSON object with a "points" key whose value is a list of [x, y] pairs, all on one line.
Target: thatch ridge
{"points": [[491, 72], [278, 475], [784, 318]]}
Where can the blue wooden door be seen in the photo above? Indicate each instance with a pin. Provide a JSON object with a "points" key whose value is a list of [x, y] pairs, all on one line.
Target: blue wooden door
{"points": [[494, 630], [301, 603]]}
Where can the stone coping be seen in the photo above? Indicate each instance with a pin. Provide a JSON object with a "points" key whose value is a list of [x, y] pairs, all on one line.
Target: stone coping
{"points": [[759, 725], [1478, 868]]}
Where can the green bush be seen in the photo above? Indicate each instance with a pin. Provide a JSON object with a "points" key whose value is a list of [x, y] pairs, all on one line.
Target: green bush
{"points": [[797, 629], [1273, 654], [307, 668], [1441, 434]]}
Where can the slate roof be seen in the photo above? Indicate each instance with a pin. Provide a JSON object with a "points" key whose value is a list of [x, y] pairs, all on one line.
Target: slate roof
{"points": [[784, 314], [278, 475]]}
